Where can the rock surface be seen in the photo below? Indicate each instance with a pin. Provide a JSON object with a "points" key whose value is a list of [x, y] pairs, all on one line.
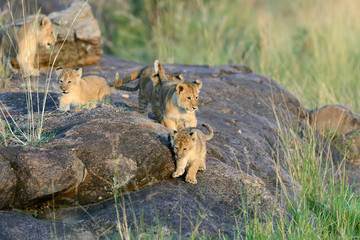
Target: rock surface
{"points": [[122, 150], [42, 173], [340, 123], [336, 119], [8, 183]]}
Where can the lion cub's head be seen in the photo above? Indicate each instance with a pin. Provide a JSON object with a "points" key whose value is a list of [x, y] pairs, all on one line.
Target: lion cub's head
{"points": [[46, 33], [188, 94], [183, 142], [68, 78]]}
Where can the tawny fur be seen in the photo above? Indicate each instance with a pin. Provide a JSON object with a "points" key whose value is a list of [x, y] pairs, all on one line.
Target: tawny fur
{"points": [[22, 41], [178, 103], [190, 151], [150, 80], [78, 90]]}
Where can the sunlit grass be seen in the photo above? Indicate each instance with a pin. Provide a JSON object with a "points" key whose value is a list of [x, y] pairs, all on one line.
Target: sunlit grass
{"points": [[309, 47]]}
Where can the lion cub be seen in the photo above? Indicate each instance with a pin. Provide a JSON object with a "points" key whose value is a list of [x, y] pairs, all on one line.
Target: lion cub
{"points": [[78, 91], [150, 80], [21, 42], [190, 151], [178, 103]]}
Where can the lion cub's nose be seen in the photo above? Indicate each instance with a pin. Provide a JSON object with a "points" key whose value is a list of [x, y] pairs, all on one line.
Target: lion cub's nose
{"points": [[194, 108]]}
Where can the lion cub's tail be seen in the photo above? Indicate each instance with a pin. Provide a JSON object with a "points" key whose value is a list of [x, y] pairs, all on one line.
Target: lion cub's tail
{"points": [[159, 70], [132, 76], [163, 76], [211, 132], [119, 82], [128, 89]]}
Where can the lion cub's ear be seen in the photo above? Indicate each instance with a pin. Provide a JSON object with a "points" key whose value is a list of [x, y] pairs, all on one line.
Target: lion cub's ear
{"points": [[46, 22], [198, 82], [78, 72], [181, 77], [193, 135], [179, 88], [172, 137], [59, 70]]}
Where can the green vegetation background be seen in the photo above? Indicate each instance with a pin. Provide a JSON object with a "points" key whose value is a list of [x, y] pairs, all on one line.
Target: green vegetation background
{"points": [[310, 47]]}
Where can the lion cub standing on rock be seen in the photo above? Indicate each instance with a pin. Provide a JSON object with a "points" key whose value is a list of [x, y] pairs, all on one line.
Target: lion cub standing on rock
{"points": [[150, 80], [21, 41], [78, 91], [178, 103], [190, 151]]}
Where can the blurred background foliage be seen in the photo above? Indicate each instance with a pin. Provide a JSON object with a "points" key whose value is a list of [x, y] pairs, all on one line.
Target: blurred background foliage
{"points": [[310, 47]]}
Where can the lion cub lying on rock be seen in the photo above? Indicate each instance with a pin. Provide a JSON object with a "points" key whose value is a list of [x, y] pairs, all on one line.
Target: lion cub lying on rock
{"points": [[79, 91], [190, 151]]}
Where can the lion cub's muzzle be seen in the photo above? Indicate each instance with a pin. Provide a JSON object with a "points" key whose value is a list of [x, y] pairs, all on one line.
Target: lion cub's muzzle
{"points": [[65, 92], [48, 46], [191, 109]]}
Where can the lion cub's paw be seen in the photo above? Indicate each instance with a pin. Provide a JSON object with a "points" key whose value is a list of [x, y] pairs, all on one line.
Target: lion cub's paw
{"points": [[35, 72], [202, 168], [191, 180], [176, 174], [32, 72]]}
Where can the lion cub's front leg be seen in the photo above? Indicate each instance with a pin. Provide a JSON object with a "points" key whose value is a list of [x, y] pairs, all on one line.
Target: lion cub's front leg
{"points": [[169, 123], [64, 104], [191, 122], [27, 64], [180, 168], [191, 173], [202, 163]]}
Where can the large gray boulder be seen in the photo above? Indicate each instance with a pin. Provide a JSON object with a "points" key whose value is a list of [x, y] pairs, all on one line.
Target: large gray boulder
{"points": [[115, 151]]}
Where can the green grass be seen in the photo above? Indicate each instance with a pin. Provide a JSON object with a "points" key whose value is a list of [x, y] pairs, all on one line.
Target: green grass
{"points": [[326, 208], [309, 47]]}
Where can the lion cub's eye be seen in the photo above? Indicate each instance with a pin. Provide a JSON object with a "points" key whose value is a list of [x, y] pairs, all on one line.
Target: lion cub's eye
{"points": [[189, 98], [69, 82], [196, 97], [184, 149], [175, 148]]}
